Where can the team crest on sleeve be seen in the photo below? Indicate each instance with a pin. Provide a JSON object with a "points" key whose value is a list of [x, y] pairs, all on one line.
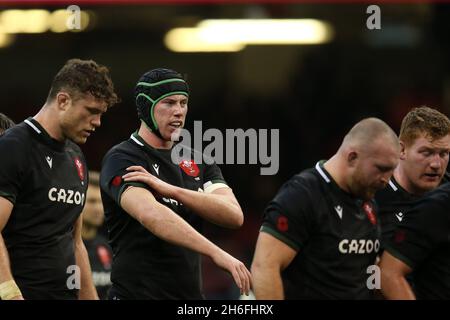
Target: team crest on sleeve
{"points": [[399, 236], [116, 181], [190, 168], [80, 168], [282, 224], [368, 208]]}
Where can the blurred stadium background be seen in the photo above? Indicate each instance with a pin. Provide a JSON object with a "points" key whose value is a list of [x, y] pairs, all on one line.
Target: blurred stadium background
{"points": [[313, 93]]}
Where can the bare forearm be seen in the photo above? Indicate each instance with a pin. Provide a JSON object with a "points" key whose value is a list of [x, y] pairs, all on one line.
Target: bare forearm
{"points": [[213, 207], [167, 225], [396, 287], [267, 283], [87, 289]]}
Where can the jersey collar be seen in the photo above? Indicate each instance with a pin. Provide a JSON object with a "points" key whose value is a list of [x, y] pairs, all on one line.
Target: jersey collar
{"points": [[329, 180], [396, 187], [138, 140], [323, 173], [43, 135]]}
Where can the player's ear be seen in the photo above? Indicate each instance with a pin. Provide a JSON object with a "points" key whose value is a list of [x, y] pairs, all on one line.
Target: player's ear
{"points": [[402, 150], [62, 100], [352, 158]]}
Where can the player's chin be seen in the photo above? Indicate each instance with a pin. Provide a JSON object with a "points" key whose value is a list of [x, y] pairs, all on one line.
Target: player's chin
{"points": [[430, 184], [369, 193], [79, 140], [174, 134]]}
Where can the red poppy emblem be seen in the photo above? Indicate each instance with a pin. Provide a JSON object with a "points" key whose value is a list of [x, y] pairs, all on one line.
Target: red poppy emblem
{"points": [[370, 213], [399, 236], [190, 168], [282, 224], [116, 181]]}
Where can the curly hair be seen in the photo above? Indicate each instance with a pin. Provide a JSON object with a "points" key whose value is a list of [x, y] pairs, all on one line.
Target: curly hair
{"points": [[424, 120], [79, 77]]}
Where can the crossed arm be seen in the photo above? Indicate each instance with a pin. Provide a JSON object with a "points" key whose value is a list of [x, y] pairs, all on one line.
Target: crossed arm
{"points": [[219, 207], [167, 225]]}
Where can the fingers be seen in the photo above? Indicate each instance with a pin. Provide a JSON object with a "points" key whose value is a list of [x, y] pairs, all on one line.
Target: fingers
{"points": [[140, 177], [237, 278], [134, 176], [241, 276], [137, 168], [246, 278]]}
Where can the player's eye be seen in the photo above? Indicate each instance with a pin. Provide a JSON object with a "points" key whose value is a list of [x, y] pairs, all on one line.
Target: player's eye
{"points": [[443, 154]]}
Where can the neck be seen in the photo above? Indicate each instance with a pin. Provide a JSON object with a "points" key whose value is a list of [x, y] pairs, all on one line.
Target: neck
{"points": [[152, 139], [337, 170], [401, 178], [49, 121], [88, 232]]}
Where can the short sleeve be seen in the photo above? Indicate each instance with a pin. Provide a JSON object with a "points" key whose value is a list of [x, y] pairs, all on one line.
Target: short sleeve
{"points": [[113, 168], [289, 216], [421, 230], [213, 178], [13, 167]]}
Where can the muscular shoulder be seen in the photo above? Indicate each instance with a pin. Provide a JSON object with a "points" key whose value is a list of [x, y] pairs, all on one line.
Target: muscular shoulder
{"points": [[123, 150], [19, 136], [16, 143], [307, 183]]}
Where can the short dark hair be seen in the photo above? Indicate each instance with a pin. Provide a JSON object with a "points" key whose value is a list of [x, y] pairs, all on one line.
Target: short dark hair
{"points": [[424, 120], [79, 77], [5, 123]]}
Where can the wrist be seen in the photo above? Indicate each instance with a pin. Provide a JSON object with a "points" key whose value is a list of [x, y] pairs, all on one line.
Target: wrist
{"points": [[9, 290], [176, 193]]}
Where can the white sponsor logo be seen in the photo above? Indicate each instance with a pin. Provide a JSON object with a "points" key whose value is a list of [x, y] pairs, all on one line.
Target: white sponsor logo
{"points": [[400, 216], [339, 211], [361, 246], [49, 161], [66, 196], [172, 201]]}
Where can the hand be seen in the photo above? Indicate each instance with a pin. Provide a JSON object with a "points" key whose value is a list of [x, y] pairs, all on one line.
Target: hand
{"points": [[138, 173], [240, 273], [18, 298]]}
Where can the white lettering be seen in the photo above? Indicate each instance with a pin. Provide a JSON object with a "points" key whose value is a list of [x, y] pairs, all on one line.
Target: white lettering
{"points": [[361, 246], [66, 196], [73, 281], [69, 199], [50, 194], [374, 280]]}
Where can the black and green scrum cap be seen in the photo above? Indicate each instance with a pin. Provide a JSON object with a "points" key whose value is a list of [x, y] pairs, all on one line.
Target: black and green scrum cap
{"points": [[154, 86]]}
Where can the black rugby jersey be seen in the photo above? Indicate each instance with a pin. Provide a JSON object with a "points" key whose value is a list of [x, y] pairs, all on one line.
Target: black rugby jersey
{"points": [[335, 234], [422, 241], [46, 181], [393, 203], [145, 266]]}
